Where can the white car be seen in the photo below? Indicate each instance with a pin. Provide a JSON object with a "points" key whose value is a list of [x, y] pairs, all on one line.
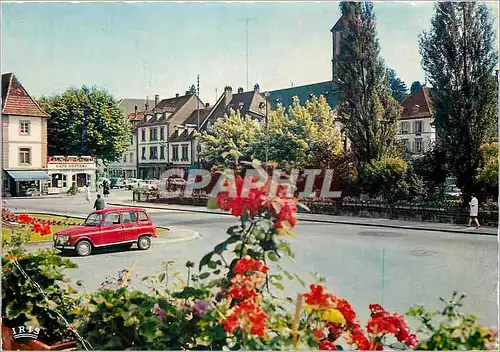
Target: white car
{"points": [[132, 183], [150, 184]]}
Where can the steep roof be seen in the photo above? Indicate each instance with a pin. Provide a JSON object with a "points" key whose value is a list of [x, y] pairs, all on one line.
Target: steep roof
{"points": [[248, 103], [420, 98], [182, 135], [128, 105], [168, 108], [16, 100], [193, 118], [304, 93]]}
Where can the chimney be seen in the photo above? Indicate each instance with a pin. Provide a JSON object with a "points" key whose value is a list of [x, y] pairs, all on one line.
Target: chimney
{"points": [[157, 99], [146, 106], [176, 95], [228, 95], [207, 105], [256, 88], [240, 90], [135, 112]]}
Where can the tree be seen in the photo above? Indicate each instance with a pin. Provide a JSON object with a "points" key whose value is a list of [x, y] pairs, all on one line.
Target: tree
{"points": [[398, 88], [487, 174], [459, 58], [367, 108], [304, 136], [433, 170], [231, 133], [86, 121], [415, 87]]}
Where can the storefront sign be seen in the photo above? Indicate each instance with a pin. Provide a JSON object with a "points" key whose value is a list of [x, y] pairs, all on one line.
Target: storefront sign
{"points": [[72, 166]]}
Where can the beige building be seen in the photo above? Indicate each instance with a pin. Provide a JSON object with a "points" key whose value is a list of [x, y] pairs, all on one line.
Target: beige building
{"points": [[24, 141], [64, 171]]}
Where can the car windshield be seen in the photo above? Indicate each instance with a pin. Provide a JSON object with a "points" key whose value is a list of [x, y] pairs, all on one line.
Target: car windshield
{"points": [[93, 220]]}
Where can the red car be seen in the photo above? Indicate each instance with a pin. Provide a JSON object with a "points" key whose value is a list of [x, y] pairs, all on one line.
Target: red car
{"points": [[108, 227]]}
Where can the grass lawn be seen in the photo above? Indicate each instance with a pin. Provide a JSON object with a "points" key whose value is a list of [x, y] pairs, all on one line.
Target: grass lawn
{"points": [[36, 237]]}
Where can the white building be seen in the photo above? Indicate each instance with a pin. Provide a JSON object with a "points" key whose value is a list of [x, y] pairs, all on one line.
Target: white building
{"points": [[415, 126], [64, 171], [24, 141], [127, 165]]}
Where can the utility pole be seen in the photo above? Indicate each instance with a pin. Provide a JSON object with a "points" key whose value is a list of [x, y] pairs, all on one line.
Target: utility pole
{"points": [[247, 54], [198, 116]]}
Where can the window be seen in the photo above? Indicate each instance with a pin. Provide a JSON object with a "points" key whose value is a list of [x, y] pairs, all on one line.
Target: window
{"points": [[143, 217], [162, 153], [143, 155], [93, 220], [418, 127], [125, 158], [143, 135], [185, 152], [404, 127], [129, 217], [59, 180], [25, 156], [131, 157], [418, 145], [24, 128], [162, 133], [175, 153], [153, 134], [112, 219], [153, 153]]}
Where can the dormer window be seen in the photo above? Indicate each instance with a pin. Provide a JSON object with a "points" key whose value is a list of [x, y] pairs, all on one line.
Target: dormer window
{"points": [[415, 108], [240, 105]]}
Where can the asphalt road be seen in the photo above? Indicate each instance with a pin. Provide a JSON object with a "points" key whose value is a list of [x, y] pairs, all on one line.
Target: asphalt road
{"points": [[418, 268]]}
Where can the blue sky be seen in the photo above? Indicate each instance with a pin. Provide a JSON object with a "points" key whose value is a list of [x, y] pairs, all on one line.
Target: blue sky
{"points": [[141, 49]]}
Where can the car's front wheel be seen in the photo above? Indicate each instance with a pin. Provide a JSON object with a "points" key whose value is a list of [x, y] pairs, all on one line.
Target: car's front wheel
{"points": [[83, 248], [144, 242]]}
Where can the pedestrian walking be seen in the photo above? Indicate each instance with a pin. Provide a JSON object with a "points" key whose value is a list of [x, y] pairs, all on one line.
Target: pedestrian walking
{"points": [[99, 203], [474, 209], [105, 190], [87, 193]]}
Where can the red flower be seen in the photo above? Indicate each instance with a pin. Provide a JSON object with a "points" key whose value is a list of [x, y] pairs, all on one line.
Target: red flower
{"points": [[319, 334], [249, 264], [249, 317], [347, 311], [317, 296], [327, 345]]}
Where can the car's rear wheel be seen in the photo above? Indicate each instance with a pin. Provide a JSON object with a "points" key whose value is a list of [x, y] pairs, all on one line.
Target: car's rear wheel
{"points": [[144, 242], [83, 248]]}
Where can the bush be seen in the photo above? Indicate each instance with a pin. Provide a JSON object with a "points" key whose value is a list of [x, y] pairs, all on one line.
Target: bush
{"points": [[34, 289]]}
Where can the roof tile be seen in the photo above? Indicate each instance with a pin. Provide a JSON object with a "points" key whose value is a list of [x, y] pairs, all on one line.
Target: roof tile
{"points": [[16, 100]]}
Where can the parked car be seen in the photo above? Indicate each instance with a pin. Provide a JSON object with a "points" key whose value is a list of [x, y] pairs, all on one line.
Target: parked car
{"points": [[132, 183], [113, 181], [151, 185], [108, 227], [121, 183]]}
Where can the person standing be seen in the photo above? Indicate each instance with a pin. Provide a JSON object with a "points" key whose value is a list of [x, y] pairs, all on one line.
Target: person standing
{"points": [[87, 193], [105, 187], [99, 203], [474, 209]]}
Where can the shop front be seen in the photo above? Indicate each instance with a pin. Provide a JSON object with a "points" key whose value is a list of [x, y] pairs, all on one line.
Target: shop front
{"points": [[25, 183], [66, 171]]}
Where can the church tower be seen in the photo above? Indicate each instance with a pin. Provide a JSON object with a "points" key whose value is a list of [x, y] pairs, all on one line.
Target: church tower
{"points": [[336, 34]]}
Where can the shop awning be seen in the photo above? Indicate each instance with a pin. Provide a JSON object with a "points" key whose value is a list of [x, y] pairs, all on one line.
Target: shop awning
{"points": [[28, 175]]}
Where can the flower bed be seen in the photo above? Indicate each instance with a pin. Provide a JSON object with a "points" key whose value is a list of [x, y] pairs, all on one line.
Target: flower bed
{"points": [[230, 302]]}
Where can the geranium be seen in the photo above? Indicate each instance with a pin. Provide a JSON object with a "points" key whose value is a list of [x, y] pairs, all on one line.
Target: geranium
{"points": [[327, 345], [249, 317]]}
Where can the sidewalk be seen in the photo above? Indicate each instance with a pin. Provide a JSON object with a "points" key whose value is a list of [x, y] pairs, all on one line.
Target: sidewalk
{"points": [[332, 219]]}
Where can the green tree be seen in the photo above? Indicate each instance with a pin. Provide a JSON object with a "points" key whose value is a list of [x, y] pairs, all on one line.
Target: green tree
{"points": [[487, 173], [231, 133], [459, 58], [367, 107], [305, 136], [415, 87], [86, 121], [398, 88], [433, 170]]}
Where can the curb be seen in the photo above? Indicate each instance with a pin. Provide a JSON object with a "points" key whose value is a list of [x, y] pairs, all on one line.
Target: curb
{"points": [[430, 229], [195, 235]]}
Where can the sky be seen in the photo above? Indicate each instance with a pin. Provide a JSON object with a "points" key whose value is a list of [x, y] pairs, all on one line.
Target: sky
{"points": [[135, 50]]}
